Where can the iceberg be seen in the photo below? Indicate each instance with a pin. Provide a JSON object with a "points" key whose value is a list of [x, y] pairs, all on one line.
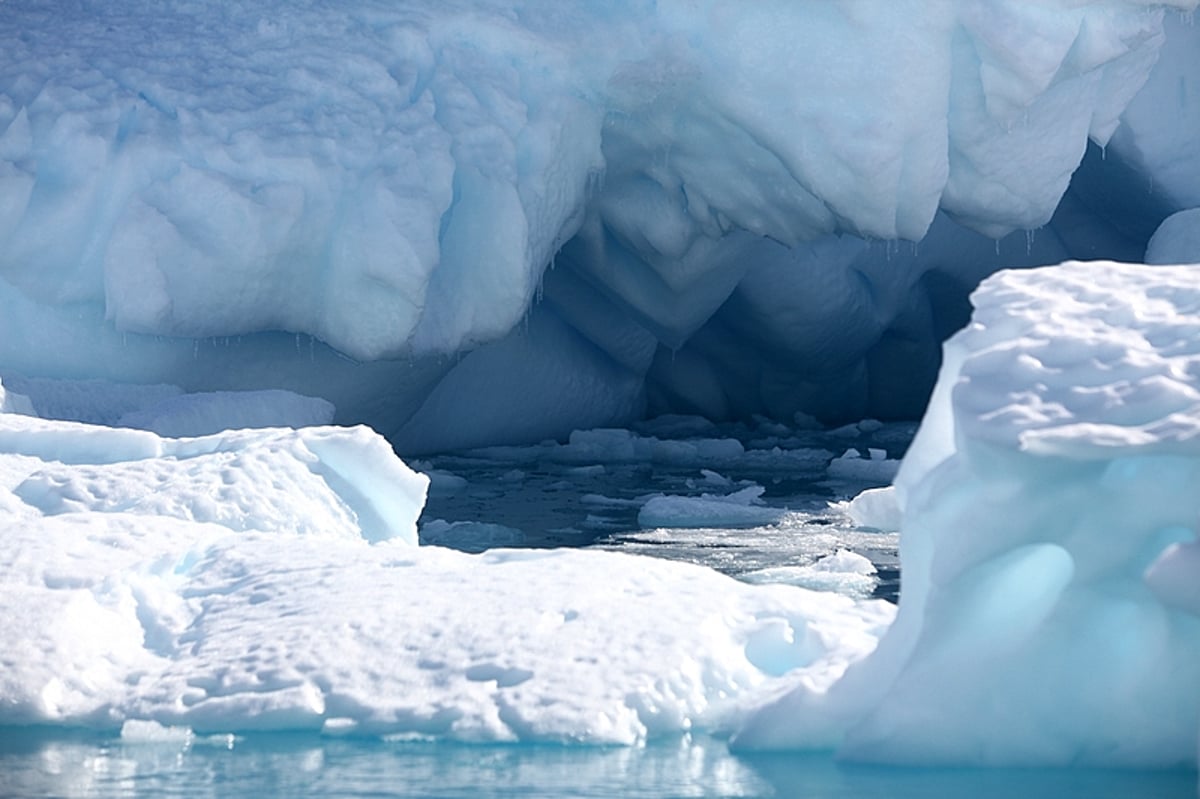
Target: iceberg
{"points": [[1048, 539], [496, 222]]}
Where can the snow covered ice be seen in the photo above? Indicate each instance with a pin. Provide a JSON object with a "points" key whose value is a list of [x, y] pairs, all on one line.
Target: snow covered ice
{"points": [[250, 251], [1048, 610]]}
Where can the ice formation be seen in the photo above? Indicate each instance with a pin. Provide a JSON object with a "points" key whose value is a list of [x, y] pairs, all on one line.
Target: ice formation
{"points": [[492, 222], [1048, 612], [269, 580], [520, 219]]}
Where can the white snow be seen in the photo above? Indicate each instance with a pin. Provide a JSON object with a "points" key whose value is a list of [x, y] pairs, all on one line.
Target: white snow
{"points": [[1048, 606]]}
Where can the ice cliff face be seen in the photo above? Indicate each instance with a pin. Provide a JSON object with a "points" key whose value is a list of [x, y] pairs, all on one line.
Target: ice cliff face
{"points": [[518, 218]]}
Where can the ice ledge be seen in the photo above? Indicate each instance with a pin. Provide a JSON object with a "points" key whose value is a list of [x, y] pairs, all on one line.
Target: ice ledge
{"points": [[331, 481]]}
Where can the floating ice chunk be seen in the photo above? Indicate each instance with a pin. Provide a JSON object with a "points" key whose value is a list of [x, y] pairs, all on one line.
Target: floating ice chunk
{"points": [[715, 478], [844, 572], [740, 509], [875, 509], [846, 562], [876, 467], [469, 536]]}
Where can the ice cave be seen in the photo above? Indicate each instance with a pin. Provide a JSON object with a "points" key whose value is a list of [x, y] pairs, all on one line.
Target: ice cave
{"points": [[784, 379]]}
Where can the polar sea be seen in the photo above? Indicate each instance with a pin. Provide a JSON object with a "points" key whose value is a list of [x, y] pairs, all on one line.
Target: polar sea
{"points": [[41, 764]]}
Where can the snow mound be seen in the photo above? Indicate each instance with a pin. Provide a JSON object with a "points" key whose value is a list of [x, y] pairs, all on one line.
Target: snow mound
{"points": [[1048, 607]]}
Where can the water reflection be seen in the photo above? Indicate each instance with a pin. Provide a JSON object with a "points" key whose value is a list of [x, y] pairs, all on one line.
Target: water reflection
{"points": [[47, 765]]}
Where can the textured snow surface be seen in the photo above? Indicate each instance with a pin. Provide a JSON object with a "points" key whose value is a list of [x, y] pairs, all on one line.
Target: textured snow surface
{"points": [[1048, 612], [401, 180], [268, 579]]}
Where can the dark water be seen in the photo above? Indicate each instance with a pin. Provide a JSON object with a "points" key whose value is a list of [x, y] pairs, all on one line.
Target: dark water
{"points": [[568, 496]]}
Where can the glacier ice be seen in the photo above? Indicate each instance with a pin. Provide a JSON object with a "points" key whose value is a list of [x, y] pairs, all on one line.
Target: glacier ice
{"points": [[269, 580], [565, 216], [1048, 537]]}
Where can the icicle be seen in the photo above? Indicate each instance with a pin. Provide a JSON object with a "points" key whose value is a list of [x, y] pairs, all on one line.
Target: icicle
{"points": [[1029, 242], [997, 246]]}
